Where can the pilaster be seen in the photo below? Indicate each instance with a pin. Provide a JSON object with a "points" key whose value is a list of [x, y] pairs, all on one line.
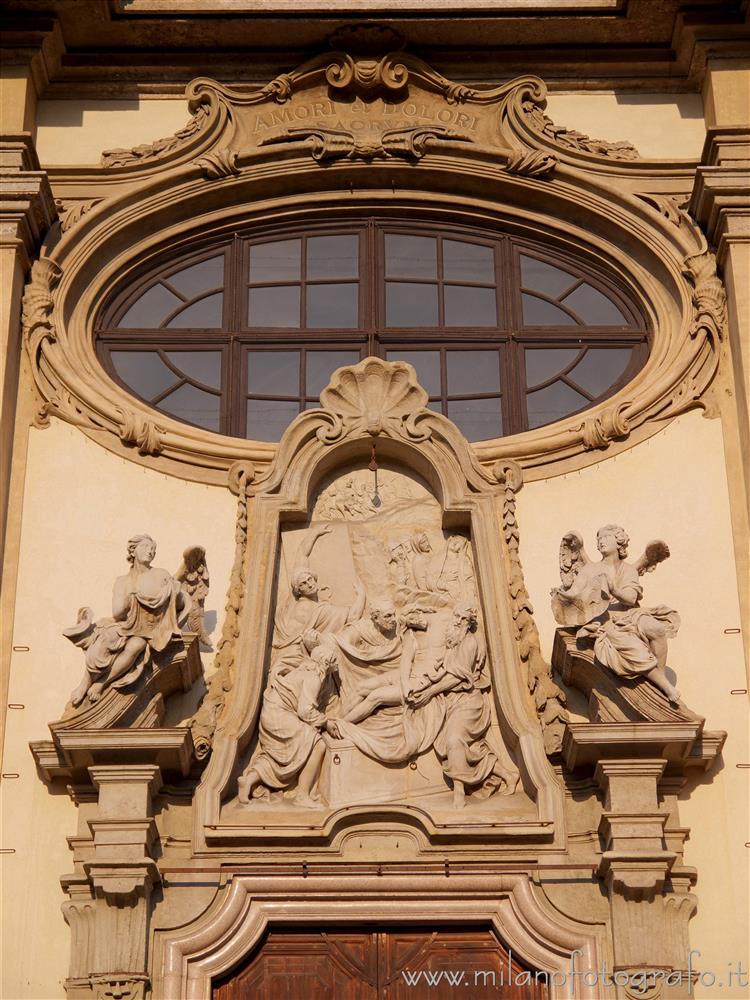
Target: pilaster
{"points": [[122, 875], [720, 202]]}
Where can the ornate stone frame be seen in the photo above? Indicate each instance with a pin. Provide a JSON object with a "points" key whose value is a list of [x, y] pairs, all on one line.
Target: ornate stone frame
{"points": [[519, 172], [379, 401], [186, 959]]}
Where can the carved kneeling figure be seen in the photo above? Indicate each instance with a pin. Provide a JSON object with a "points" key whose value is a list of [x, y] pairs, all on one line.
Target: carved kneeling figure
{"points": [[290, 744]]}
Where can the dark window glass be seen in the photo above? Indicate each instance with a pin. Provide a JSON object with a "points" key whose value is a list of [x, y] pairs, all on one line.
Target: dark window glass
{"points": [[267, 419], [539, 276], [408, 304], [151, 309], [478, 419], [542, 364], [194, 406], [467, 306], [277, 261], [202, 277], [540, 312], [601, 368], [273, 373], [332, 307], [200, 366], [550, 404], [144, 372], [468, 262], [426, 364], [332, 257], [203, 314], [278, 306], [594, 308], [473, 372], [410, 256]]}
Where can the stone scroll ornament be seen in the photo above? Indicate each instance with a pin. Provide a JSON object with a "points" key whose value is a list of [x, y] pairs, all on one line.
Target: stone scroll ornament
{"points": [[150, 607], [603, 601]]}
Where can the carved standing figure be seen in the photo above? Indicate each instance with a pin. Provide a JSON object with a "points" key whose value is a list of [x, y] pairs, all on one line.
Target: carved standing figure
{"points": [[460, 675], [603, 598], [453, 572], [290, 744], [305, 612], [145, 603], [421, 547]]}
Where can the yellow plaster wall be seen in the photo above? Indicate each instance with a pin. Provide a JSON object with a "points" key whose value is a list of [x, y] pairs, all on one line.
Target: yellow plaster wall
{"points": [[663, 126], [81, 505], [674, 487], [77, 132], [660, 126]]}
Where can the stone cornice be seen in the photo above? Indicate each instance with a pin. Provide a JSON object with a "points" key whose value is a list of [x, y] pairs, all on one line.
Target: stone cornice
{"points": [[720, 201], [27, 206], [664, 49]]}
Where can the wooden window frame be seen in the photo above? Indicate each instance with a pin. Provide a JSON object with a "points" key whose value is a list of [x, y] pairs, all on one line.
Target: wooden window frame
{"points": [[509, 337]]}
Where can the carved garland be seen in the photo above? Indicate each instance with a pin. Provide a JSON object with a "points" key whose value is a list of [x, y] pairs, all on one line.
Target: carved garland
{"points": [[203, 724], [549, 700]]}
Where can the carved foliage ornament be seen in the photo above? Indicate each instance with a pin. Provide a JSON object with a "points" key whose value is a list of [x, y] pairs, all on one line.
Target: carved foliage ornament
{"points": [[363, 106]]}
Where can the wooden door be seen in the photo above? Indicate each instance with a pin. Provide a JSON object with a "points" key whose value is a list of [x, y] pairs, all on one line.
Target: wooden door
{"points": [[410, 963]]}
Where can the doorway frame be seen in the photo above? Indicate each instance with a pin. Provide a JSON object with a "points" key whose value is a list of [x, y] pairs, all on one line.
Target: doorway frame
{"points": [[188, 958]]}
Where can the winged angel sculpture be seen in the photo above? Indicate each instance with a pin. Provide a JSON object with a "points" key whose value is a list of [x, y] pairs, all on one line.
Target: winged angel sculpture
{"points": [[149, 607], [604, 599]]}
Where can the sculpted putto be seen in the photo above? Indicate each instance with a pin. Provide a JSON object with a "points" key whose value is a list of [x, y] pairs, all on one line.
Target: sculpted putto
{"points": [[604, 598], [146, 602]]}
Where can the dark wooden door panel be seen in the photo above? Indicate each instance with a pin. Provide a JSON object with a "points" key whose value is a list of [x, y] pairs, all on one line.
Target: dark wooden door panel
{"points": [[445, 964], [376, 964], [330, 965]]}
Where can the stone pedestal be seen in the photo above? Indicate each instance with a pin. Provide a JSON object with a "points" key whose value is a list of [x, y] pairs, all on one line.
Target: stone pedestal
{"points": [[638, 766]]}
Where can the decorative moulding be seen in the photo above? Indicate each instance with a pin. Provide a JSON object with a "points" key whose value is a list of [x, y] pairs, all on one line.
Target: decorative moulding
{"points": [[247, 906], [378, 402], [362, 97], [373, 121]]}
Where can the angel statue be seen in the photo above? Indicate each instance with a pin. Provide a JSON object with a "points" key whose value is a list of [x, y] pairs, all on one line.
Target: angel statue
{"points": [[146, 603], [603, 598]]}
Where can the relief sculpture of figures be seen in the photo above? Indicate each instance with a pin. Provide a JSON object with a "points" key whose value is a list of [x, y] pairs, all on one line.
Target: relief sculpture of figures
{"points": [[603, 599], [148, 605], [380, 670], [461, 677]]}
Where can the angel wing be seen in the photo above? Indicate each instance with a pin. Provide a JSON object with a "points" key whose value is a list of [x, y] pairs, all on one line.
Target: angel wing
{"points": [[193, 575], [656, 552], [573, 557]]}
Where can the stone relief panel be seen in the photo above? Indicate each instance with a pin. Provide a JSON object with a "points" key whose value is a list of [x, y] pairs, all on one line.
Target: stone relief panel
{"points": [[377, 687]]}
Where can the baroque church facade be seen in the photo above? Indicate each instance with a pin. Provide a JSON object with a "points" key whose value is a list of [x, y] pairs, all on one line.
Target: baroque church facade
{"points": [[413, 342]]}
